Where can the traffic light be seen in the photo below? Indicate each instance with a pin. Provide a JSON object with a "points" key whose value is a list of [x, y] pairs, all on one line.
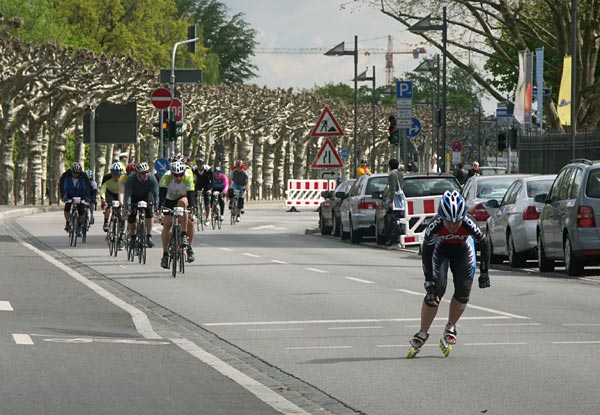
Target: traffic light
{"points": [[501, 141], [394, 137], [512, 137], [175, 129], [192, 30], [161, 127]]}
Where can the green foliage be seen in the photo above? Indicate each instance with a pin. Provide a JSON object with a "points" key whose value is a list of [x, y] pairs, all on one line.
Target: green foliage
{"points": [[338, 91]]}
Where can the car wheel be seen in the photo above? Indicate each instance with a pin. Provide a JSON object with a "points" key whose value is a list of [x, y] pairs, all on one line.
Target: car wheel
{"points": [[573, 266], [544, 263], [379, 237], [355, 235], [343, 234], [515, 259], [336, 226], [325, 230]]}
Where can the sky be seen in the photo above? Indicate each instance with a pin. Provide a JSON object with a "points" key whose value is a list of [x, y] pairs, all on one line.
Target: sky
{"points": [[303, 24]]}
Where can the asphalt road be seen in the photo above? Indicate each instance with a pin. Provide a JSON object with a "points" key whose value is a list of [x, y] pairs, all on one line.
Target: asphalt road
{"points": [[321, 323]]}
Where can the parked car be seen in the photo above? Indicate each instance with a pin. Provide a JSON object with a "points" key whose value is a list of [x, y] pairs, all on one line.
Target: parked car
{"points": [[512, 227], [415, 185], [480, 189], [492, 171], [357, 211], [568, 225], [329, 209]]}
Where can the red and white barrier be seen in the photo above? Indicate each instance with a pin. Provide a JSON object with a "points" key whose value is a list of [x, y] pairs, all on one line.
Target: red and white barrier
{"points": [[307, 192], [419, 211]]}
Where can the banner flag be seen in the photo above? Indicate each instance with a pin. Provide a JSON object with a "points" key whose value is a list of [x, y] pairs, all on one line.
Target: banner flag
{"points": [[528, 87], [519, 111], [539, 81], [564, 95]]}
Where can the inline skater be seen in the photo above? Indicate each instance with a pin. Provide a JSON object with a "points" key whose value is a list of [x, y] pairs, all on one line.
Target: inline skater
{"points": [[449, 241], [177, 189], [141, 185], [203, 181]]}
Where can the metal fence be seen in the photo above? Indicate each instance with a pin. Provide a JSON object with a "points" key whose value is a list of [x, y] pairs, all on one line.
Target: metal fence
{"points": [[547, 153]]}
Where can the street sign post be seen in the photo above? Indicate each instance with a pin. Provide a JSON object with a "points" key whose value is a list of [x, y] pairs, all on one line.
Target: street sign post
{"points": [[161, 98]]}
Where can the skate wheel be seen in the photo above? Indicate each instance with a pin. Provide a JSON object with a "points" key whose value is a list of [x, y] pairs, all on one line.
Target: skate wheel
{"points": [[445, 347], [412, 352]]}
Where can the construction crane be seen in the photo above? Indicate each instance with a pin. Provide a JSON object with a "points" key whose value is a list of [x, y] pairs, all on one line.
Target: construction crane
{"points": [[389, 53]]}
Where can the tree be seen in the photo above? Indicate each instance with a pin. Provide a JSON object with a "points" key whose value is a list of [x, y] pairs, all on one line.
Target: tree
{"points": [[231, 39], [495, 31]]}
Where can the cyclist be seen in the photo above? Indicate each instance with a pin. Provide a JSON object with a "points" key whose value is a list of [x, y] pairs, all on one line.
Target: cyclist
{"points": [[75, 184], [449, 241], [141, 185], [177, 189], [221, 185], [203, 181], [93, 194], [113, 189], [239, 180]]}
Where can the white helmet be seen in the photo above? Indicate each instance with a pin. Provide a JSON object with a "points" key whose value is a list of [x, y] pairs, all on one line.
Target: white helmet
{"points": [[177, 167]]}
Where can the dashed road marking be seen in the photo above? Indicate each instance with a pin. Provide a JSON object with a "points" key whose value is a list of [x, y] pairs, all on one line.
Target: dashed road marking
{"points": [[6, 306], [355, 328], [226, 249], [317, 270], [276, 261], [251, 255], [22, 339], [317, 347], [360, 280]]}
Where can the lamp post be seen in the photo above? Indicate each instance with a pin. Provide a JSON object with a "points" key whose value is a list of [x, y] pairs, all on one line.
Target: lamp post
{"points": [[429, 66], [363, 77], [424, 25], [339, 50]]}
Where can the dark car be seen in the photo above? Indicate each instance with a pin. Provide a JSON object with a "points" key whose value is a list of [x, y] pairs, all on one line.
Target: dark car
{"points": [[568, 225], [329, 209], [418, 188]]}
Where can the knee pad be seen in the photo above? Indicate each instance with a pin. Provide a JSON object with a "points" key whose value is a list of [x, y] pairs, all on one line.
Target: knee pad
{"points": [[462, 300]]}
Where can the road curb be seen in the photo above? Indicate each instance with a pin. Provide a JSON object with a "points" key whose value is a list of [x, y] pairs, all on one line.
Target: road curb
{"points": [[24, 211]]}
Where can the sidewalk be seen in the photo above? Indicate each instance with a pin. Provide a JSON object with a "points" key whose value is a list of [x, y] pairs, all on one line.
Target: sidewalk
{"points": [[12, 211]]}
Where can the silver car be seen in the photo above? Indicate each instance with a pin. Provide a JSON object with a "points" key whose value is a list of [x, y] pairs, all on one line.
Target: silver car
{"points": [[357, 211], [512, 227], [478, 190]]}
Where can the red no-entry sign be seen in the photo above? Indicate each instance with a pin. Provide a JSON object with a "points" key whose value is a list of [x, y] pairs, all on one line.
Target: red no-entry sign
{"points": [[161, 98]]}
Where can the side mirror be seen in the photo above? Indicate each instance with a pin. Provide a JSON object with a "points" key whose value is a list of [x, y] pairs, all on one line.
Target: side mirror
{"points": [[541, 198], [492, 203]]}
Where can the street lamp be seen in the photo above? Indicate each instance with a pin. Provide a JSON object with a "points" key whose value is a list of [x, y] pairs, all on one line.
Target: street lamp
{"points": [[340, 51], [424, 25], [429, 66], [363, 77]]}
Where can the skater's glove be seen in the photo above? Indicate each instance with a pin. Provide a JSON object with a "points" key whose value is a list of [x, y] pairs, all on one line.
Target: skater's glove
{"points": [[484, 280], [430, 298]]}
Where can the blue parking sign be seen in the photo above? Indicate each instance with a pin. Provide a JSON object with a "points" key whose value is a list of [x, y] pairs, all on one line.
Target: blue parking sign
{"points": [[404, 90]]}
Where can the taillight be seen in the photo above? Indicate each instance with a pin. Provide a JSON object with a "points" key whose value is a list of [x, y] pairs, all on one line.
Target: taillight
{"points": [[531, 213], [479, 212], [585, 217], [364, 205]]}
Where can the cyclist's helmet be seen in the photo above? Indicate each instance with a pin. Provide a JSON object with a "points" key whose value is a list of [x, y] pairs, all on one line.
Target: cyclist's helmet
{"points": [[76, 167], [142, 167], [130, 168], [89, 174], [177, 167], [200, 160], [452, 207], [218, 170], [116, 169]]}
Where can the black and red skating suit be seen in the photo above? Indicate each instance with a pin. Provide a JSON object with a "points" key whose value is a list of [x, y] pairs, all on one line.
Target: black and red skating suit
{"points": [[442, 248]]}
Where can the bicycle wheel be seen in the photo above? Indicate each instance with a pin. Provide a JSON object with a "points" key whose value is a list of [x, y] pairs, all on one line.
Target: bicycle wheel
{"points": [[174, 249], [233, 210], [141, 242], [85, 227], [214, 215], [182, 258], [73, 233], [112, 247]]}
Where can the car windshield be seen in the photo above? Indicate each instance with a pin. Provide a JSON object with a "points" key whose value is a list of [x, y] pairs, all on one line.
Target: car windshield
{"points": [[494, 189], [538, 187], [428, 186]]}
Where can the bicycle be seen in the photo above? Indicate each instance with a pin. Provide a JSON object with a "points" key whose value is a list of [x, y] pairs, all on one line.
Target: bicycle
{"points": [[215, 217], [73, 220], [235, 211], [139, 245], [176, 250], [114, 228], [199, 210]]}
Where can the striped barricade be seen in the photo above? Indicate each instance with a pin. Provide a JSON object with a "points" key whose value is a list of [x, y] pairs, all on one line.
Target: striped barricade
{"points": [[307, 192], [419, 211]]}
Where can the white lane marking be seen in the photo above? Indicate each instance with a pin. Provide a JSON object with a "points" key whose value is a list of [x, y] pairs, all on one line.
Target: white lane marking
{"points": [[204, 245], [262, 227], [359, 280], [81, 340], [510, 324], [582, 324], [580, 342], [251, 255], [5, 306], [298, 329], [278, 262], [226, 249], [475, 307], [317, 270], [354, 328], [22, 339], [261, 391], [317, 347], [495, 344], [364, 320], [139, 318], [122, 267]]}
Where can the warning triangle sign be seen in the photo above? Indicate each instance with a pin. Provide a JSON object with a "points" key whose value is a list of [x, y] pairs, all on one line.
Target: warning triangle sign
{"points": [[327, 158], [327, 126]]}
